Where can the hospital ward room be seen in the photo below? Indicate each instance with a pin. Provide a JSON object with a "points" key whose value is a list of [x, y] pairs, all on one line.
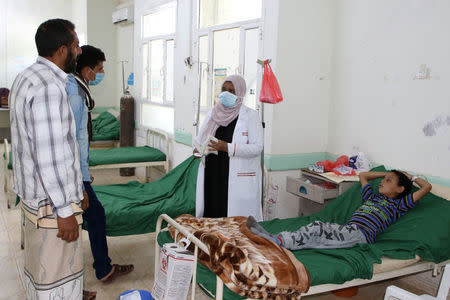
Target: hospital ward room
{"points": [[224, 149]]}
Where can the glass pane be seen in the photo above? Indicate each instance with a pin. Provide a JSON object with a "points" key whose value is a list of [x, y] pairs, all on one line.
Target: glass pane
{"points": [[201, 119], [203, 47], [217, 12], [226, 57], [160, 22], [155, 116], [156, 70], [169, 70], [250, 65], [144, 71]]}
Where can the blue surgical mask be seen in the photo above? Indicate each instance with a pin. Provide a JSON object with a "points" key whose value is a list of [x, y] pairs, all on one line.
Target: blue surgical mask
{"points": [[228, 99], [98, 78]]}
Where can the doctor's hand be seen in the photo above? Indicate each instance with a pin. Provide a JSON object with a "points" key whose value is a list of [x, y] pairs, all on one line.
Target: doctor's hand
{"points": [[219, 145]]}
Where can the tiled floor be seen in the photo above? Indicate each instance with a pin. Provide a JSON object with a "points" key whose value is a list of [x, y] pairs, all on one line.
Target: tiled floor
{"points": [[137, 249]]}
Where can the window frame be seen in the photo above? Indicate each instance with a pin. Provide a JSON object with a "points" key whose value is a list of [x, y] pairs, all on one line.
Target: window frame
{"points": [[148, 40], [146, 99], [209, 32]]}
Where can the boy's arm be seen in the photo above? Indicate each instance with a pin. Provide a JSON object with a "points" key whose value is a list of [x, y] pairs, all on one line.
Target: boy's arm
{"points": [[425, 187], [364, 177]]}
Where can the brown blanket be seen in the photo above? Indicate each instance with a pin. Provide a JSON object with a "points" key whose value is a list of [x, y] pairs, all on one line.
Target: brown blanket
{"points": [[249, 265]]}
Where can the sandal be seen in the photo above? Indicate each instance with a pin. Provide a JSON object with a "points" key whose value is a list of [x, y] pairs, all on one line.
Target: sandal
{"points": [[88, 295], [118, 270]]}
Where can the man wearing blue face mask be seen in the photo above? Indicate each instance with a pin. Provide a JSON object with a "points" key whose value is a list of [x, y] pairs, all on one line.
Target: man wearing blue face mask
{"points": [[89, 71]]}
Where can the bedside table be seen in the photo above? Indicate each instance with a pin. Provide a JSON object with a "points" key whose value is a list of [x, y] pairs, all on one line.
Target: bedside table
{"points": [[314, 190]]}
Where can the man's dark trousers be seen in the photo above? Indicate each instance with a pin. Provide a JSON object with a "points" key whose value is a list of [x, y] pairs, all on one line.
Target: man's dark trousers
{"points": [[95, 218]]}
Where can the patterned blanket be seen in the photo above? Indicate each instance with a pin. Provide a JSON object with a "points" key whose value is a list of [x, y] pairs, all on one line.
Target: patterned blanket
{"points": [[249, 265]]}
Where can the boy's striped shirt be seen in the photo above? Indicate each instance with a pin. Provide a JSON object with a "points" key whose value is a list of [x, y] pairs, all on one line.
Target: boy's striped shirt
{"points": [[378, 212]]}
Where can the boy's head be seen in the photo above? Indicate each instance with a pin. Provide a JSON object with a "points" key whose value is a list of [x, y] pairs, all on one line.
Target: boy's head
{"points": [[395, 185]]}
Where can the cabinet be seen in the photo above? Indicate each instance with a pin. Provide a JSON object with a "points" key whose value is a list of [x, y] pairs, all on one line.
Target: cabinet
{"points": [[314, 190]]}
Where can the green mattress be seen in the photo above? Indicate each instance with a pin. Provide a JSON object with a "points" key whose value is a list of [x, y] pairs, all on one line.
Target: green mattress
{"points": [[133, 208], [105, 127], [119, 155], [124, 155], [425, 231]]}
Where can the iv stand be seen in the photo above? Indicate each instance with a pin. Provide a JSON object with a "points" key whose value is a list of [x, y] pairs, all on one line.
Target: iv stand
{"points": [[261, 62]]}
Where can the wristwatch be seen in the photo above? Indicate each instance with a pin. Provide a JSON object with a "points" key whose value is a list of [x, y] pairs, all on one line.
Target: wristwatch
{"points": [[413, 178]]}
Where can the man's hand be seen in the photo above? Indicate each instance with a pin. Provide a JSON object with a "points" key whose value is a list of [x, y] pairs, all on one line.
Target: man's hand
{"points": [[67, 228], [92, 178], [85, 201], [219, 145]]}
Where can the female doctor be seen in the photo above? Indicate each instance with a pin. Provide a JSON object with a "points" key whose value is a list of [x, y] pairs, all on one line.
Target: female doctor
{"points": [[229, 183]]}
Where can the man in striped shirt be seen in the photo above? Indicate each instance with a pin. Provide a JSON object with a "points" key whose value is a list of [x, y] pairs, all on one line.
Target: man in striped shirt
{"points": [[46, 164], [377, 212]]}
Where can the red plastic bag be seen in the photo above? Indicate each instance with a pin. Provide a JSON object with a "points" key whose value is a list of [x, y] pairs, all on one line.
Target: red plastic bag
{"points": [[270, 90]]}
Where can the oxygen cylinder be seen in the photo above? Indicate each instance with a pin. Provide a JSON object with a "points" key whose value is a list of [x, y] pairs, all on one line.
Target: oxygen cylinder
{"points": [[127, 127]]}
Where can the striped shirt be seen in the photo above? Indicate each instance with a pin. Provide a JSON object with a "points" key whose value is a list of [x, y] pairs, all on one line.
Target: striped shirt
{"points": [[45, 154], [378, 212]]}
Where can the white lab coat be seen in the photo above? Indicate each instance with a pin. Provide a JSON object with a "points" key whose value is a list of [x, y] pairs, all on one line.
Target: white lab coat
{"points": [[244, 179]]}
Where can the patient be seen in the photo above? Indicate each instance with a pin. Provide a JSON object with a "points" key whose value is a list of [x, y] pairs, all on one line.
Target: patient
{"points": [[377, 212]]}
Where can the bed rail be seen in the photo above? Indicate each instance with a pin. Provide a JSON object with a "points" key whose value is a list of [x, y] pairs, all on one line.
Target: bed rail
{"points": [[160, 140], [318, 289], [198, 244]]}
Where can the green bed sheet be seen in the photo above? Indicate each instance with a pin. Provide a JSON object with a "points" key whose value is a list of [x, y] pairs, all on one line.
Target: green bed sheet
{"points": [[124, 155], [119, 155], [424, 231], [105, 127], [133, 208]]}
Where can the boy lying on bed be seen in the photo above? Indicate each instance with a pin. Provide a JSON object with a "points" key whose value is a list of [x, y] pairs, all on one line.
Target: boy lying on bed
{"points": [[377, 212]]}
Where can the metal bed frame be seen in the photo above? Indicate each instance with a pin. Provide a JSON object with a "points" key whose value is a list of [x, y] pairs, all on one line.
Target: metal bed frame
{"points": [[417, 267], [156, 139]]}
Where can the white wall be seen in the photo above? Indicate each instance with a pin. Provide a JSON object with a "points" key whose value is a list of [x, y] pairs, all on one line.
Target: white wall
{"points": [[303, 68], [376, 104], [22, 20], [19, 22], [102, 33], [125, 49]]}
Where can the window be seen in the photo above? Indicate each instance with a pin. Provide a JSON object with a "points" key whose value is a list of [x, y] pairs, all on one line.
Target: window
{"points": [[157, 48], [226, 43], [161, 22], [218, 12]]}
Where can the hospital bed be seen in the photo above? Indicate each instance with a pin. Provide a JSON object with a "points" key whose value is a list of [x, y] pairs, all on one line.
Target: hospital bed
{"points": [[106, 130], [155, 154], [418, 242], [134, 208]]}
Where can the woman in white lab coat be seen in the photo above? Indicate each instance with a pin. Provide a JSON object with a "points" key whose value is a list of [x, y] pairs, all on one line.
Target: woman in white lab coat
{"points": [[229, 183]]}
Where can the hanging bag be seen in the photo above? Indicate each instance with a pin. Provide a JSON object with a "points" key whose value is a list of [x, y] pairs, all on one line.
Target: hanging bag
{"points": [[270, 90]]}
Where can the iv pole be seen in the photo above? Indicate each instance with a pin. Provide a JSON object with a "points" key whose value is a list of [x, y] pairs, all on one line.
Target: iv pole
{"points": [[262, 62]]}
